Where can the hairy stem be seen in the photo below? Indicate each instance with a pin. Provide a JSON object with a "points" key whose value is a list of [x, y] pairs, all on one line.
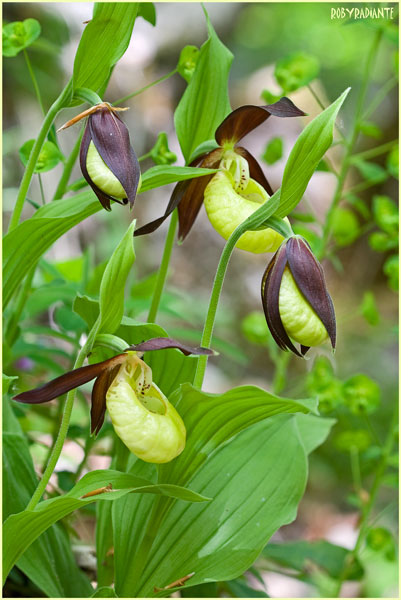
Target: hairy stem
{"points": [[26, 180], [162, 274]]}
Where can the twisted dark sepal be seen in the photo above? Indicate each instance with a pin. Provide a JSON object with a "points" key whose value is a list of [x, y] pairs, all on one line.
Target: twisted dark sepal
{"points": [[309, 277], [111, 139], [188, 196], [73, 379], [271, 283], [246, 118], [163, 343]]}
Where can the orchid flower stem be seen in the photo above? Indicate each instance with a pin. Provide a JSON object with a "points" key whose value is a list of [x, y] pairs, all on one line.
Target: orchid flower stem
{"points": [[252, 222], [163, 78], [350, 146], [163, 269], [34, 81], [213, 303], [68, 167], [62, 434], [57, 105]]}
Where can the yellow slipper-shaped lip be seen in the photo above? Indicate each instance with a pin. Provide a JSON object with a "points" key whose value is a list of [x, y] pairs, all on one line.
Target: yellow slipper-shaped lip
{"points": [[227, 209]]}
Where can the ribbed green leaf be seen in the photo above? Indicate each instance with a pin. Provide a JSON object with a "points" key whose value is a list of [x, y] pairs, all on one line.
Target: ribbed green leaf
{"points": [[111, 297], [212, 421], [23, 528], [305, 156], [23, 246], [165, 174], [256, 482], [205, 102], [48, 562], [103, 42]]}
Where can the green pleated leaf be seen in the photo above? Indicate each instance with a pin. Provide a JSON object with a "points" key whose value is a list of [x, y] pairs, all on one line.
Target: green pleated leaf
{"points": [[48, 562], [23, 246], [322, 554], [256, 482], [49, 156], [165, 174], [111, 297], [23, 528], [170, 368], [104, 592], [212, 421], [305, 156], [103, 42], [205, 102]]}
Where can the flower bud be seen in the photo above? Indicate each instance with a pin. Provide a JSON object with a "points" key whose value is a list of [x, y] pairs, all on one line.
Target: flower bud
{"points": [[295, 299], [230, 198], [108, 162], [142, 416]]}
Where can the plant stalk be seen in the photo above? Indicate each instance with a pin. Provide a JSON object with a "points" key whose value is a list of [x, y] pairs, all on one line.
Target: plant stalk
{"points": [[62, 434], [68, 167], [350, 146], [129, 96], [162, 274], [26, 180]]}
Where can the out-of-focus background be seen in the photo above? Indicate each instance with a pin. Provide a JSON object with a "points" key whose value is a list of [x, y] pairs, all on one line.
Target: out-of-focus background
{"points": [[258, 35]]}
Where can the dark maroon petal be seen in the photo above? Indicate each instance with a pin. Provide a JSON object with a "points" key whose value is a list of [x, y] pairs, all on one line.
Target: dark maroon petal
{"points": [[163, 343], [73, 379], [190, 194], [99, 391], [271, 283], [304, 349], [245, 118], [255, 170], [309, 277], [153, 225], [111, 138], [83, 153]]}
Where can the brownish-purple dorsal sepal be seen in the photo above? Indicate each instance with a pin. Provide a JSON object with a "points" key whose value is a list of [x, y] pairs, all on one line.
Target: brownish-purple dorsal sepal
{"points": [[246, 118], [271, 283], [73, 379], [255, 171], [163, 343], [111, 138], [309, 277]]}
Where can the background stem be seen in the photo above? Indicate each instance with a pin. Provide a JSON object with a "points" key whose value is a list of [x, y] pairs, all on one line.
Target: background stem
{"points": [[68, 167], [26, 180], [162, 274], [349, 148]]}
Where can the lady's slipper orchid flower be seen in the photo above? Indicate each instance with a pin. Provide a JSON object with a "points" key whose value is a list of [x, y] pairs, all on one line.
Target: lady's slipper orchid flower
{"points": [[295, 299], [142, 417], [227, 206], [188, 195], [108, 162]]}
